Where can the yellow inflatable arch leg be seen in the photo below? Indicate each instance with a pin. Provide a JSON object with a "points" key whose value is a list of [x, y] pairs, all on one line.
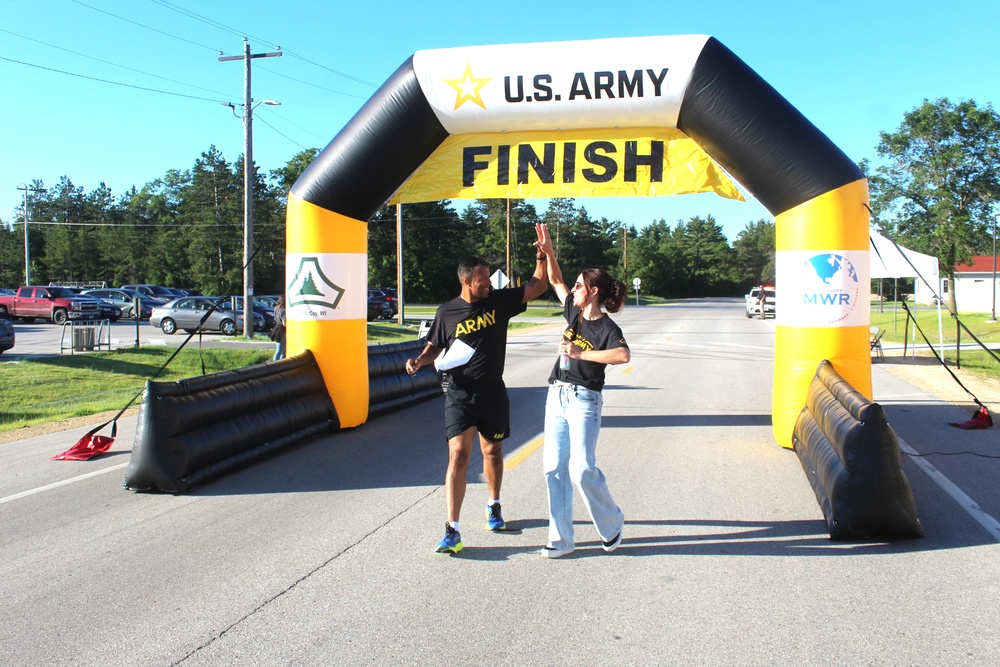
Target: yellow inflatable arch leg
{"points": [[821, 316], [326, 276]]}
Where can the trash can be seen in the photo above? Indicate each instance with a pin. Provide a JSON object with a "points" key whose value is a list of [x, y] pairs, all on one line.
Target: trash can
{"points": [[84, 338]]}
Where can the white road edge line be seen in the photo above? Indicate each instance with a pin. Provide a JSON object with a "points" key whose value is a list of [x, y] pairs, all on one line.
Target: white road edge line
{"points": [[968, 504], [718, 345], [55, 485]]}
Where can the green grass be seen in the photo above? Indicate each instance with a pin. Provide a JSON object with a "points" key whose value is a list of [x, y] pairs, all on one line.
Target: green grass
{"points": [[48, 389], [894, 324], [387, 332], [53, 388]]}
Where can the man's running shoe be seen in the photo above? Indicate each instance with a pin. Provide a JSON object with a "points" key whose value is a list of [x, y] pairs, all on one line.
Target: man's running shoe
{"points": [[493, 519], [452, 542]]}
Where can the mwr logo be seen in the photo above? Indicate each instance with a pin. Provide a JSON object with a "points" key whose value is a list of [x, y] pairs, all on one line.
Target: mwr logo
{"points": [[311, 287], [830, 287]]}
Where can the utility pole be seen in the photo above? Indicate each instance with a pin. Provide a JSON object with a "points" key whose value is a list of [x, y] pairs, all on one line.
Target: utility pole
{"points": [[248, 179], [509, 274], [399, 264], [993, 316], [625, 251], [27, 252]]}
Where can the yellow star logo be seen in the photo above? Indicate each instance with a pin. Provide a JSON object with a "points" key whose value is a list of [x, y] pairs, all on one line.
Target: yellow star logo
{"points": [[468, 88]]}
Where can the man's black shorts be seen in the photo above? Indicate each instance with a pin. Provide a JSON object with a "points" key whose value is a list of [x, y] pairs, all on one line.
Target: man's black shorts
{"points": [[484, 406]]}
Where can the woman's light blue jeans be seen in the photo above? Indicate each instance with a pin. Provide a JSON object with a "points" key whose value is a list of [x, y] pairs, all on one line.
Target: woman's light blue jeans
{"points": [[572, 424]]}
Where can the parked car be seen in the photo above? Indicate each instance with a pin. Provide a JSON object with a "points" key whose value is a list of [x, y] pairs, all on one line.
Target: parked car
{"points": [[6, 292], [126, 299], [390, 295], [6, 334], [258, 307], [267, 299], [186, 313], [109, 311], [379, 306], [57, 304], [155, 291]]}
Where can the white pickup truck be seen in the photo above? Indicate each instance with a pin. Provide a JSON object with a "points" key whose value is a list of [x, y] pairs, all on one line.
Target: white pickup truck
{"points": [[759, 298]]}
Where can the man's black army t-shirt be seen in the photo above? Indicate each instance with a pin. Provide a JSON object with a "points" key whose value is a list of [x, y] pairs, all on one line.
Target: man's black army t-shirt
{"points": [[481, 325]]}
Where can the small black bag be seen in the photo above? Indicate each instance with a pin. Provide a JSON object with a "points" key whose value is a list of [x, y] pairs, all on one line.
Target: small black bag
{"points": [[278, 332]]}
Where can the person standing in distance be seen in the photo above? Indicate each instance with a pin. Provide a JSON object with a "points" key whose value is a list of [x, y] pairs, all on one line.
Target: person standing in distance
{"points": [[573, 405], [278, 332], [476, 400]]}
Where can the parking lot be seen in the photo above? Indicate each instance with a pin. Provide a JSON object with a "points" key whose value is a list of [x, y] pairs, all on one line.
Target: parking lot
{"points": [[45, 338]]}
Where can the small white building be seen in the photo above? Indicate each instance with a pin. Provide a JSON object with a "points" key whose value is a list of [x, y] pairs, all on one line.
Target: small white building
{"points": [[975, 289]]}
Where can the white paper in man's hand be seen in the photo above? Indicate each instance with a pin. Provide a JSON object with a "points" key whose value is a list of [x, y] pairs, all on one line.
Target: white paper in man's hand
{"points": [[457, 355]]}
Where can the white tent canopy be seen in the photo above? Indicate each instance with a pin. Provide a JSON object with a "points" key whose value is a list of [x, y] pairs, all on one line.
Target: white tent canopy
{"points": [[888, 260]]}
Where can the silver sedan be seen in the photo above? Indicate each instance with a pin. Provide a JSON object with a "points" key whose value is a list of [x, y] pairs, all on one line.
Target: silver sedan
{"points": [[187, 312]]}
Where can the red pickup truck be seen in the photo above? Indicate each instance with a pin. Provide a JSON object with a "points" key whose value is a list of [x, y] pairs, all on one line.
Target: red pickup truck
{"points": [[57, 304]]}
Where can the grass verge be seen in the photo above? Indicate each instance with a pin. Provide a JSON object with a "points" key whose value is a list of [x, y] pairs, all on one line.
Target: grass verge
{"points": [[893, 322], [54, 388]]}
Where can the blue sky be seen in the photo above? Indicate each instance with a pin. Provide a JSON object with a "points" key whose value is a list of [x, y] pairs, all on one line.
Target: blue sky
{"points": [[852, 68]]}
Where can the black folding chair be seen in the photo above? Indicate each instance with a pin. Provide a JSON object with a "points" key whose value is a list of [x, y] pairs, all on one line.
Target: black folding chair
{"points": [[876, 343]]}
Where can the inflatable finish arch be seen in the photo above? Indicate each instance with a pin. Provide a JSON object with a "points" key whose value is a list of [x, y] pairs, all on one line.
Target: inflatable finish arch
{"points": [[600, 117]]}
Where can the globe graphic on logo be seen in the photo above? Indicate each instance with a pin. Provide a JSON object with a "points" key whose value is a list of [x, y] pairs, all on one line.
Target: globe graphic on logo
{"points": [[832, 270]]}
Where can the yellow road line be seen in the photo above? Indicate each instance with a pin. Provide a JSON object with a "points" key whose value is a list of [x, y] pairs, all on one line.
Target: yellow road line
{"points": [[518, 457]]}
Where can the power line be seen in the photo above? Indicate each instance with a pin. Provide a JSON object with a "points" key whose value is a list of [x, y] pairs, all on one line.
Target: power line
{"points": [[330, 69], [241, 33], [314, 85], [324, 138], [141, 25], [155, 225], [281, 133], [108, 62], [198, 17], [113, 83]]}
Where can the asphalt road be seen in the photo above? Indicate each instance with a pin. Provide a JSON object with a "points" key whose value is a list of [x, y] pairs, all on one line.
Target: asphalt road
{"points": [[324, 555]]}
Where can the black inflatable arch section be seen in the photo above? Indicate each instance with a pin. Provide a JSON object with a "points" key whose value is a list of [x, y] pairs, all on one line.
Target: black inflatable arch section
{"points": [[736, 117]]}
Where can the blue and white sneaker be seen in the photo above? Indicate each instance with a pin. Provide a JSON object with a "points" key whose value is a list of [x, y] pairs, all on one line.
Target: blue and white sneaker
{"points": [[493, 519], [452, 542]]}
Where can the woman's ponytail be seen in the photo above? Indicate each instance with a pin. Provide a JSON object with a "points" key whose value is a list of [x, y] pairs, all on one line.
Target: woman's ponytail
{"points": [[616, 296], [611, 293]]}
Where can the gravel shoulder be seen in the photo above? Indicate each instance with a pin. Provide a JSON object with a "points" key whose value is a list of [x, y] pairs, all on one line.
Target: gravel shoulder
{"points": [[928, 374]]}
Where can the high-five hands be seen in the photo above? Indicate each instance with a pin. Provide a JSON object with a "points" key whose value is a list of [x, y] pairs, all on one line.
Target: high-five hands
{"points": [[544, 242]]}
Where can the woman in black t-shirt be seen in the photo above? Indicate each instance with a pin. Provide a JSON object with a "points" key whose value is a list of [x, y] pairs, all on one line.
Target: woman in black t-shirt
{"points": [[574, 402]]}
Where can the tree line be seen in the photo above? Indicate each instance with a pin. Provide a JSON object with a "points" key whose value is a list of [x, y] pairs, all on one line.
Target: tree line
{"points": [[186, 230], [933, 190]]}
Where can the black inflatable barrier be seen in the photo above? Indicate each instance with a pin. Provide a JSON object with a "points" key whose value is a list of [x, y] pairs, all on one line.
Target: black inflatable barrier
{"points": [[851, 457], [198, 429], [389, 386]]}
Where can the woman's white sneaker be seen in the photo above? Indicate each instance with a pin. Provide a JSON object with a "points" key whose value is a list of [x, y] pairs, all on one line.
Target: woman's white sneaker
{"points": [[549, 551]]}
